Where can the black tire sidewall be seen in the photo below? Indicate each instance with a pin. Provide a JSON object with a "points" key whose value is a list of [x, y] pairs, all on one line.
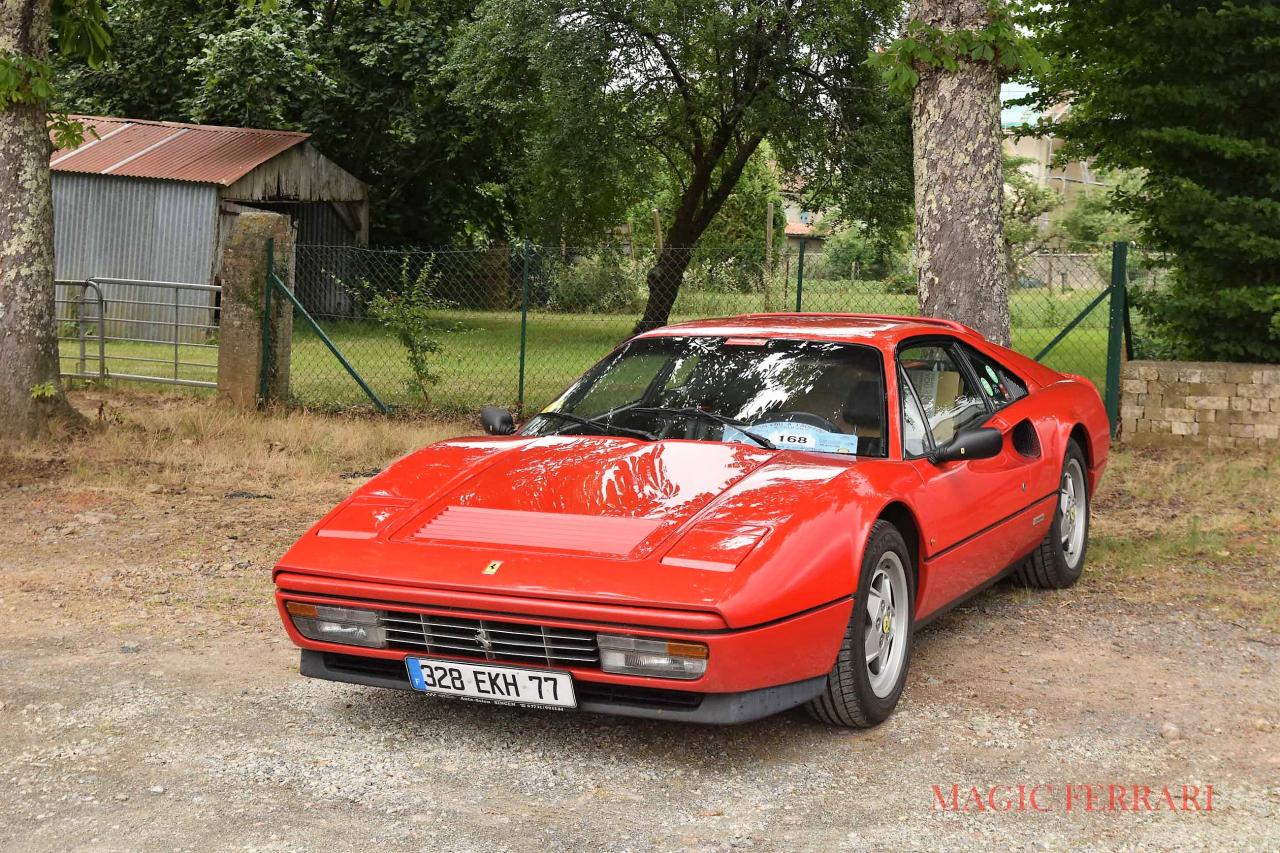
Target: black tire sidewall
{"points": [[884, 537]]}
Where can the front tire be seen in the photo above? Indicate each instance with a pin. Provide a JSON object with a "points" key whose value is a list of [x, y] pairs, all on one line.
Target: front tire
{"points": [[871, 668], [1059, 559]]}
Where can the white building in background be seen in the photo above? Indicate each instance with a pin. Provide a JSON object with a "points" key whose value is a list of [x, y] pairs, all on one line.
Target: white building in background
{"points": [[1068, 178]]}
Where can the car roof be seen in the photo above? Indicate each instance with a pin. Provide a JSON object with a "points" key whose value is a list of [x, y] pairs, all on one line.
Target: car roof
{"points": [[856, 328]]}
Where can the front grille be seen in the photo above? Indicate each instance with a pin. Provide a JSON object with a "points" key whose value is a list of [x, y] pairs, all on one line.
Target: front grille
{"points": [[488, 639]]}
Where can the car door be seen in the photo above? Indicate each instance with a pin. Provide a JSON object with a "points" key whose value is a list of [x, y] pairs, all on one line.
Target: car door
{"points": [[977, 513]]}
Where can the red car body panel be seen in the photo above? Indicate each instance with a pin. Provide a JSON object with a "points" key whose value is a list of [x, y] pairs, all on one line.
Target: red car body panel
{"points": [[754, 552]]}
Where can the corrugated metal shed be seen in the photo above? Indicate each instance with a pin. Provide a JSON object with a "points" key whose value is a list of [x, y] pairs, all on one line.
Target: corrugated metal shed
{"points": [[158, 230], [148, 230], [171, 151], [154, 201]]}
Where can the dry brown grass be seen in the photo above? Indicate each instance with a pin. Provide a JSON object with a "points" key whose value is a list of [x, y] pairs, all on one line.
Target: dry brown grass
{"points": [[1193, 529], [1189, 529], [178, 441]]}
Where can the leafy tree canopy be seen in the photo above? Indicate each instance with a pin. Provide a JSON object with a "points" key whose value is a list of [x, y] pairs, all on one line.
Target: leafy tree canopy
{"points": [[1026, 203], [740, 225], [1186, 92], [366, 81], [609, 87], [1093, 222]]}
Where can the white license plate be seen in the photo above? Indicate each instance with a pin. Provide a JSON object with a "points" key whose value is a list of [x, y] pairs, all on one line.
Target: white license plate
{"points": [[507, 684]]}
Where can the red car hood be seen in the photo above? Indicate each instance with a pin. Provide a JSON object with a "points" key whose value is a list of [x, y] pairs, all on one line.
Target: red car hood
{"points": [[575, 518]]}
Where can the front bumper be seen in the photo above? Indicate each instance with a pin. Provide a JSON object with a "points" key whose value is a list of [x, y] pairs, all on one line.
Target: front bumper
{"points": [[752, 672], [596, 697]]}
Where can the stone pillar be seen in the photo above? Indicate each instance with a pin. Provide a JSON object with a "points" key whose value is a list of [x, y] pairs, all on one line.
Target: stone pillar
{"points": [[243, 273]]}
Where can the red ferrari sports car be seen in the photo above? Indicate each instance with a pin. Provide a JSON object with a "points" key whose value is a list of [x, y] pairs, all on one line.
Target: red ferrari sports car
{"points": [[720, 520]]}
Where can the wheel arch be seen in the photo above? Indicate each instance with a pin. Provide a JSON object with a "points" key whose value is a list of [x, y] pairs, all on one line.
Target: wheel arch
{"points": [[900, 516], [1080, 435]]}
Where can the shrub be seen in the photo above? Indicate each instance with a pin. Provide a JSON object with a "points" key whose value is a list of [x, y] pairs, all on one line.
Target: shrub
{"points": [[725, 275], [407, 311], [605, 282], [901, 281], [1195, 321]]}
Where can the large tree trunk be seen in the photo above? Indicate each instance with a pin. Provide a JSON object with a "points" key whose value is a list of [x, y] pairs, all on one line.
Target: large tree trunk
{"points": [[699, 204], [955, 117], [30, 393], [663, 280]]}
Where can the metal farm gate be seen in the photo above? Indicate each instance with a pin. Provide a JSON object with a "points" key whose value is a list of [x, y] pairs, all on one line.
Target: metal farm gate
{"points": [[142, 331]]}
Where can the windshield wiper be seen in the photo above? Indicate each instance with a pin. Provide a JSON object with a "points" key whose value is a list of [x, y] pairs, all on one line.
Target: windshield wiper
{"points": [[604, 428], [710, 416]]}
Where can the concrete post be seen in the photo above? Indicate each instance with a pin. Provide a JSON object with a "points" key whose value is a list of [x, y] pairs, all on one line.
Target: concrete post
{"points": [[243, 274]]}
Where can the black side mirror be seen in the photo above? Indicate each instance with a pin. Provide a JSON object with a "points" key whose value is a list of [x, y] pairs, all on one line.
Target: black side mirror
{"points": [[982, 443], [497, 420]]}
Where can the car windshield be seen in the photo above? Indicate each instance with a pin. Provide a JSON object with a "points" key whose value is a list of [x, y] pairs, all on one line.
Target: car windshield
{"points": [[794, 394]]}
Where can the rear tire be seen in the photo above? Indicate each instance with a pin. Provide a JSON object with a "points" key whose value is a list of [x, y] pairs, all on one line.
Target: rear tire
{"points": [[1059, 558], [871, 666]]}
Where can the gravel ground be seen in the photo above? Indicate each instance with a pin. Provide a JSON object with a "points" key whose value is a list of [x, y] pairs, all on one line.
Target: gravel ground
{"points": [[149, 701]]}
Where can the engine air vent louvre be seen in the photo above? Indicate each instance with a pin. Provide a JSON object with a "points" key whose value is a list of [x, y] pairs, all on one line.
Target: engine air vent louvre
{"points": [[1025, 440]]}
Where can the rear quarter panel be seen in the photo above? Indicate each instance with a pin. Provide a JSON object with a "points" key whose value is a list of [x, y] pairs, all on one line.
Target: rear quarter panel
{"points": [[1069, 399]]}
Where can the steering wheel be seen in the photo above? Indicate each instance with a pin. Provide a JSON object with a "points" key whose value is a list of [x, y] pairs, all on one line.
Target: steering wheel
{"points": [[798, 418]]}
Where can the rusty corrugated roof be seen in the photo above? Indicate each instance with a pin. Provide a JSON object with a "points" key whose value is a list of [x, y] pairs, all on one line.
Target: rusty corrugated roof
{"points": [[167, 150], [800, 229]]}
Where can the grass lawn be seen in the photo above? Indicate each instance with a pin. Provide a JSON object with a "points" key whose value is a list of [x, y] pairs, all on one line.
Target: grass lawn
{"points": [[479, 358]]}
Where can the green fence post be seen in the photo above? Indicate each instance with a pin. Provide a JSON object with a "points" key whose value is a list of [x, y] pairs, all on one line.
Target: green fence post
{"points": [[1115, 330], [264, 371], [300, 311], [800, 279], [524, 322]]}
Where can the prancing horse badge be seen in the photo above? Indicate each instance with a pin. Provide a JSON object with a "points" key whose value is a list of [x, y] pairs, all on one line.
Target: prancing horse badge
{"points": [[492, 568]]}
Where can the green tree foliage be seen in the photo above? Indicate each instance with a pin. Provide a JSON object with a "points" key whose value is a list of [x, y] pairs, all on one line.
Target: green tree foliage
{"points": [[609, 87], [367, 82], [925, 45], [1187, 93], [78, 32], [1093, 221], [1026, 204], [739, 226], [852, 252]]}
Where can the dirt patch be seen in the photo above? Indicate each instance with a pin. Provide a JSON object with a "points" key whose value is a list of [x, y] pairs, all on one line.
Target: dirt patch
{"points": [[148, 699]]}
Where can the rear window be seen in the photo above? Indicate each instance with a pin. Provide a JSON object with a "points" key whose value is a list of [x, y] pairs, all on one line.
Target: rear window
{"points": [[1000, 384]]}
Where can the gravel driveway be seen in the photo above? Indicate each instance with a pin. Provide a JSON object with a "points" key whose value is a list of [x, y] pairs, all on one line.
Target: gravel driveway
{"points": [[149, 701]]}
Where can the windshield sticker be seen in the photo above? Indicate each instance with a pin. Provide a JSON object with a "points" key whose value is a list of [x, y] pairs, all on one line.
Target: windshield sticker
{"points": [[796, 436]]}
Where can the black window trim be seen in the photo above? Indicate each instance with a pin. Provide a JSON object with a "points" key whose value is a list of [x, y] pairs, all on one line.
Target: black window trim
{"points": [[904, 382]]}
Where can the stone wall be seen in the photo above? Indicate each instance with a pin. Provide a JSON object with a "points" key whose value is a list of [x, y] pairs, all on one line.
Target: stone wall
{"points": [[1200, 403]]}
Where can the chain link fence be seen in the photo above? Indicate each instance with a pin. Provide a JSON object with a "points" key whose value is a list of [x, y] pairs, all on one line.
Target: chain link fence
{"points": [[450, 330]]}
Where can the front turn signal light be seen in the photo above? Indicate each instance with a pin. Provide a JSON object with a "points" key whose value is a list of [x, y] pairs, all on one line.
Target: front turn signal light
{"points": [[348, 626], [647, 656]]}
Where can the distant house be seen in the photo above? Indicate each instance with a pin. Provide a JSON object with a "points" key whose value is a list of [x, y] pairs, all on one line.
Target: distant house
{"points": [[1068, 178], [802, 223], [153, 200]]}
